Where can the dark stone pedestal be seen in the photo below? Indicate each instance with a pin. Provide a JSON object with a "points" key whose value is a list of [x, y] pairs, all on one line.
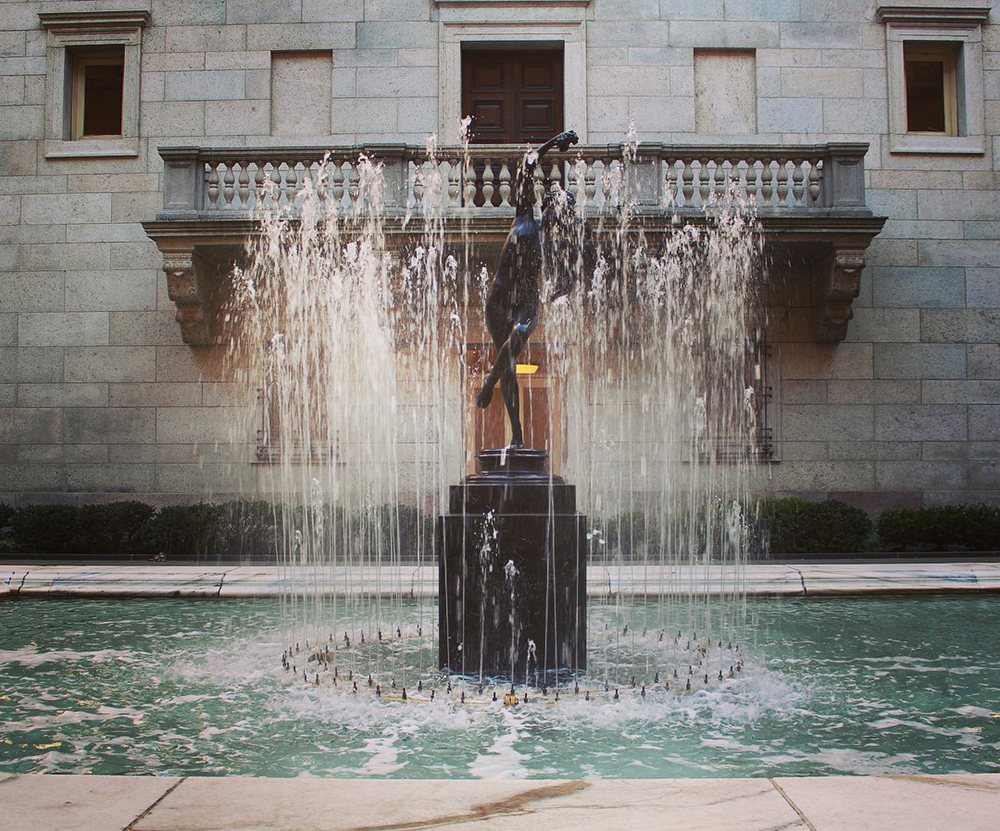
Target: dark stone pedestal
{"points": [[512, 570]]}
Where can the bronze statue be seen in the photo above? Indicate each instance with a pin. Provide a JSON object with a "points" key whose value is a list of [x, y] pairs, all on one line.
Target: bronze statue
{"points": [[512, 304]]}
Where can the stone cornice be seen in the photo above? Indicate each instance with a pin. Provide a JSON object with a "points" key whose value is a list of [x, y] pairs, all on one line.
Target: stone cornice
{"points": [[91, 20], [934, 15]]}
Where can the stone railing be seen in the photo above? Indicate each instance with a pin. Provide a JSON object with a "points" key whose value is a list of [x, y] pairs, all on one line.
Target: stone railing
{"points": [[233, 182]]}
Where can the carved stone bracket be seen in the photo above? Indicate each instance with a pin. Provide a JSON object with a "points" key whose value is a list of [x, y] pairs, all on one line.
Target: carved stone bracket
{"points": [[185, 286], [838, 282]]}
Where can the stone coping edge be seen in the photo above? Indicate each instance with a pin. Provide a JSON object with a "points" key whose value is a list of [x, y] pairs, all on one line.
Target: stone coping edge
{"points": [[813, 579]]}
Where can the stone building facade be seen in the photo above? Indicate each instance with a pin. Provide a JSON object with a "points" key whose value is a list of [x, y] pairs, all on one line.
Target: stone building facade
{"points": [[105, 395]]}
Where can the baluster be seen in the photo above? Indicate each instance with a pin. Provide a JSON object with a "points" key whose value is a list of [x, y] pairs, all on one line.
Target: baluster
{"points": [[228, 189], [767, 179], [416, 186], [453, 184], [752, 187], [471, 185], [291, 185], [276, 181], [337, 184], [798, 187], [738, 174], [782, 182], [670, 188], [213, 186], [590, 181], [258, 182], [539, 181], [579, 174], [244, 185], [315, 172], [687, 177], [353, 185], [505, 185], [722, 177], [555, 177], [814, 178], [488, 185], [703, 180]]}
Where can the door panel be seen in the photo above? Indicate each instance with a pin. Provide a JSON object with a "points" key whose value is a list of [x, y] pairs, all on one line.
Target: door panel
{"points": [[538, 116], [514, 96]]}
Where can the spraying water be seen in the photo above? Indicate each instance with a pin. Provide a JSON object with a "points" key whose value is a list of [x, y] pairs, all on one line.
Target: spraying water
{"points": [[356, 338]]}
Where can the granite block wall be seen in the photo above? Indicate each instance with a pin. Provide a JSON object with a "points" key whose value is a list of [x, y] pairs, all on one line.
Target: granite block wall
{"points": [[99, 396]]}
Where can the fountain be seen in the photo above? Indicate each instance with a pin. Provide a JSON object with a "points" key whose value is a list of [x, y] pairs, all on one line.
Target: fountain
{"points": [[362, 354], [513, 564]]}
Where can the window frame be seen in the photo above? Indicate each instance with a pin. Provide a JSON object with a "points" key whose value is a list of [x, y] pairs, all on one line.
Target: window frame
{"points": [[939, 26], [67, 31], [455, 31]]}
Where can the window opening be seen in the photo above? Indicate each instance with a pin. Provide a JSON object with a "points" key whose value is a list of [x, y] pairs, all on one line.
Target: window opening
{"points": [[98, 83], [931, 71]]}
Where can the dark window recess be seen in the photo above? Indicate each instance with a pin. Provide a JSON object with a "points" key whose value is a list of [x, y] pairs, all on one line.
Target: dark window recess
{"points": [[98, 89], [930, 88], [514, 96]]}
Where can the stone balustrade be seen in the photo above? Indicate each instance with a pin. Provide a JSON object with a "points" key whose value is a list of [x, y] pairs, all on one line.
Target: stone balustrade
{"points": [[810, 200], [220, 182]]}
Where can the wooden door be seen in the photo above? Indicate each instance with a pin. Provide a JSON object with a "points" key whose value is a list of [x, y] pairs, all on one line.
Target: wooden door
{"points": [[514, 96]]}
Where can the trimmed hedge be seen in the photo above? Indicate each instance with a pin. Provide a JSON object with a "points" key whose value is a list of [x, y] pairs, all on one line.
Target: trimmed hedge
{"points": [[242, 528], [944, 528], [47, 529], [255, 529], [798, 526]]}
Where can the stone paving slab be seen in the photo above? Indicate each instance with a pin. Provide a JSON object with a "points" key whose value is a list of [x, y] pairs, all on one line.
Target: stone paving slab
{"points": [[759, 579], [970, 802], [877, 803], [688, 804], [38, 802]]}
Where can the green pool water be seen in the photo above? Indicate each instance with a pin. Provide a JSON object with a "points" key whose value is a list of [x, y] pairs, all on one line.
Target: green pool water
{"points": [[858, 685]]}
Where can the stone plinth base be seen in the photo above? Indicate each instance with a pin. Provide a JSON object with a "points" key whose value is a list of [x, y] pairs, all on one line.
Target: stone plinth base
{"points": [[512, 572]]}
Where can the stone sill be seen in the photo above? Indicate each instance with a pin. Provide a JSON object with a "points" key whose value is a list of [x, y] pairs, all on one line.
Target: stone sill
{"points": [[92, 149], [938, 145]]}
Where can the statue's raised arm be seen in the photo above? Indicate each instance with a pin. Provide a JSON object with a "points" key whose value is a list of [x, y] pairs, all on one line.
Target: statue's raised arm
{"points": [[525, 190]]}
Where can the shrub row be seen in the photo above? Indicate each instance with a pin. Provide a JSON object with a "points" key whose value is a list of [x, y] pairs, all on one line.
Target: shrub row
{"points": [[244, 528], [799, 526], [255, 529], [943, 528]]}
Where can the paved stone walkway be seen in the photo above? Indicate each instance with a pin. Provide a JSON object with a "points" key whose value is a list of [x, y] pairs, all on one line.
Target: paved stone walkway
{"points": [[269, 581], [836, 803]]}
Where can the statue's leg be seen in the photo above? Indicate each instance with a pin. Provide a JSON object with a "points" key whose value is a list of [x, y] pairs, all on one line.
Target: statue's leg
{"points": [[512, 401], [499, 365], [506, 360]]}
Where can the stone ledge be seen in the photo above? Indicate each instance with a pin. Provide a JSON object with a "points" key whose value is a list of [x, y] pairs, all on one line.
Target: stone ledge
{"points": [[758, 579], [861, 803]]}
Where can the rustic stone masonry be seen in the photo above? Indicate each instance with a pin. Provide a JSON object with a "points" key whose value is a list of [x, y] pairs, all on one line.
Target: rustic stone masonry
{"points": [[103, 396]]}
